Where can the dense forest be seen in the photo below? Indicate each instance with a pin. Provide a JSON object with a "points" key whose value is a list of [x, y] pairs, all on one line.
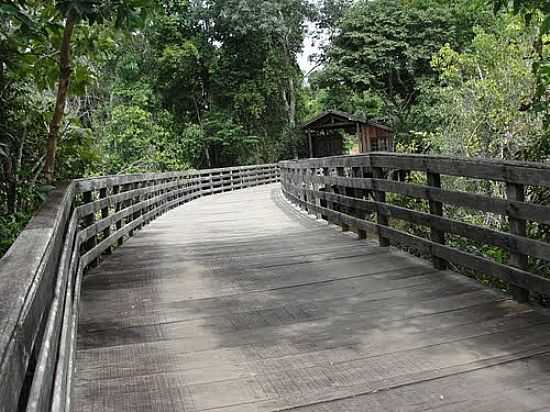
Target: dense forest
{"points": [[91, 87]]}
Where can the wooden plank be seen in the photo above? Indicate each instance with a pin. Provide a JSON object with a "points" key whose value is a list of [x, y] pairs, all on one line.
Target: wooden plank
{"points": [[439, 225], [380, 197], [518, 227], [71, 355], [135, 210], [526, 211], [511, 275], [89, 220], [40, 325], [339, 172], [526, 173], [219, 307], [26, 286], [529, 173], [436, 208], [480, 234], [92, 184], [41, 390], [61, 387]]}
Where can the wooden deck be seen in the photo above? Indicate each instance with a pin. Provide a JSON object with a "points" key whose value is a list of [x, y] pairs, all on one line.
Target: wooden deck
{"points": [[238, 302]]}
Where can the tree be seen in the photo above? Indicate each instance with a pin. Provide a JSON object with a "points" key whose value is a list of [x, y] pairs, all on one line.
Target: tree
{"points": [[480, 105], [536, 14], [263, 38], [236, 59], [385, 47], [90, 12]]}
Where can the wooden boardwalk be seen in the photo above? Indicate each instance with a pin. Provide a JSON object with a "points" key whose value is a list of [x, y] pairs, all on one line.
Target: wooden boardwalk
{"points": [[238, 302]]}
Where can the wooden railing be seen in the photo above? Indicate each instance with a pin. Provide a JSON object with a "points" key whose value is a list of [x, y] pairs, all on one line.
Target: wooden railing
{"points": [[41, 274], [353, 191]]}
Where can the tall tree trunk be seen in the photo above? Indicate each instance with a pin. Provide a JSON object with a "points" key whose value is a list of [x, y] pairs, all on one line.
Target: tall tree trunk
{"points": [[289, 98], [290, 63], [289, 95], [207, 156], [291, 103], [62, 92]]}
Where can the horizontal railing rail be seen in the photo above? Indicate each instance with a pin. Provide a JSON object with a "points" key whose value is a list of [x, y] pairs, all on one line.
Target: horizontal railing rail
{"points": [[355, 191], [41, 274]]}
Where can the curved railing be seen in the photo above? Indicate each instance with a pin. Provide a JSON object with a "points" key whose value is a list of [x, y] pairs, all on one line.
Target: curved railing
{"points": [[355, 191], [41, 274]]}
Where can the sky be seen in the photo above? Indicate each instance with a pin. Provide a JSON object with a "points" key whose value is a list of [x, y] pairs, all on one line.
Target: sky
{"points": [[311, 46]]}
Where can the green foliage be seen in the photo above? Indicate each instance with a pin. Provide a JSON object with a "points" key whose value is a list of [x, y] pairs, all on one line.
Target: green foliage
{"points": [[206, 85], [536, 14], [480, 104], [456, 78], [384, 48], [219, 141], [78, 154], [121, 12], [30, 34], [137, 136]]}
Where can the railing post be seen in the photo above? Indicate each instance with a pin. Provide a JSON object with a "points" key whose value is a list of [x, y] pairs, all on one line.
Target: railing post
{"points": [[139, 198], [150, 196], [380, 196], [183, 187], [126, 204], [297, 194], [118, 224], [303, 187], [162, 197], [358, 172], [103, 194], [165, 191], [87, 197], [169, 193], [326, 173], [291, 188], [436, 209], [133, 186], [341, 173], [315, 187], [518, 227]]}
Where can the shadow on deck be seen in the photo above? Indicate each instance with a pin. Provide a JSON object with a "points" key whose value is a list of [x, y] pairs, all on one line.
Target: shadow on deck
{"points": [[239, 302]]}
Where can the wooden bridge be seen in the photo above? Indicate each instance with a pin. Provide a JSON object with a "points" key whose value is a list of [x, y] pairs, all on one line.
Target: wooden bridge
{"points": [[225, 290]]}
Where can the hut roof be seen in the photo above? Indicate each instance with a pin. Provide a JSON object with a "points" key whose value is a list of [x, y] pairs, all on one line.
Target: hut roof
{"points": [[334, 119]]}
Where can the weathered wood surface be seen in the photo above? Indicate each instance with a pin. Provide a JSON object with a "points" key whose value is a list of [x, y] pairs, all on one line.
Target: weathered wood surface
{"points": [[241, 303], [41, 274], [27, 283], [334, 188]]}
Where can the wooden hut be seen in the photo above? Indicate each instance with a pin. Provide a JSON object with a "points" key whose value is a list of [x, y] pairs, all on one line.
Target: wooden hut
{"points": [[324, 140]]}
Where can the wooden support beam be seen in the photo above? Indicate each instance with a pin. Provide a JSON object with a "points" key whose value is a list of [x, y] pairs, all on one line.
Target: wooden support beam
{"points": [[103, 194], [380, 196], [518, 227], [340, 171], [436, 208], [358, 172], [87, 197]]}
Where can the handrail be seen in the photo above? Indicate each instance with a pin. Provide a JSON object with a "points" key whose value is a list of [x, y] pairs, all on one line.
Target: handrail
{"points": [[352, 191], [41, 274]]}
